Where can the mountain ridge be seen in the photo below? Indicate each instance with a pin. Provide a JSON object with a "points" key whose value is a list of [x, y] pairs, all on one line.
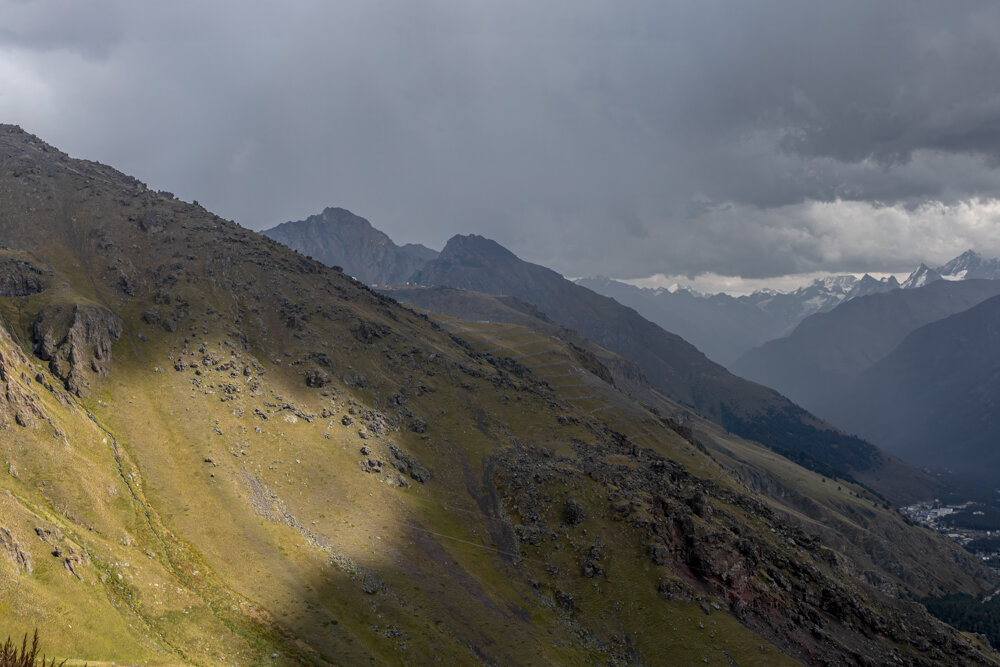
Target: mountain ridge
{"points": [[670, 364], [272, 464]]}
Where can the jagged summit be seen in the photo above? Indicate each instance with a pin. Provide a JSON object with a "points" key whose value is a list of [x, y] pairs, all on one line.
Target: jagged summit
{"points": [[922, 275], [868, 284], [970, 265]]}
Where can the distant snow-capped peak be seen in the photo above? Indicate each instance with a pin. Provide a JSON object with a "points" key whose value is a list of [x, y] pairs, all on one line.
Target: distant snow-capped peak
{"points": [[967, 266], [923, 275]]}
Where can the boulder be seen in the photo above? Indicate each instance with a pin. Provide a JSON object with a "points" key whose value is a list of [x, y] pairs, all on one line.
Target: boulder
{"points": [[317, 378]]}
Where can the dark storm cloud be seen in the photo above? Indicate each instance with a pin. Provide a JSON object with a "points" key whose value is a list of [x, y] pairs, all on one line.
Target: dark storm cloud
{"points": [[621, 138], [89, 29]]}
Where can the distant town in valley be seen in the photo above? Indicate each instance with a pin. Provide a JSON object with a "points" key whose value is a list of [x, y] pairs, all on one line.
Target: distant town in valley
{"points": [[973, 524]]}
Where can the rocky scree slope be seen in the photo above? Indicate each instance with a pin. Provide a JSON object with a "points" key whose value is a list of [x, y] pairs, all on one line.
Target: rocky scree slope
{"points": [[272, 464]]}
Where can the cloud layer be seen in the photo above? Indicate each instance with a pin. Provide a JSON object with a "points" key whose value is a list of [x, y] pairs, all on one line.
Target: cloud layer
{"points": [[752, 139]]}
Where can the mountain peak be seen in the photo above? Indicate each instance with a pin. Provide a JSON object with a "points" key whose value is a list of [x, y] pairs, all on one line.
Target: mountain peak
{"points": [[339, 213], [338, 237], [923, 275], [474, 244], [971, 264]]}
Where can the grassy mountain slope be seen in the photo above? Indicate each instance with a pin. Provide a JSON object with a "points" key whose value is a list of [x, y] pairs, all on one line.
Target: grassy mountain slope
{"points": [[671, 365], [615, 391], [220, 452]]}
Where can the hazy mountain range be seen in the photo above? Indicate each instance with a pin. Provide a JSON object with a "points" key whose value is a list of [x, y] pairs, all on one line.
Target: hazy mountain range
{"points": [[820, 357], [914, 370], [724, 327], [935, 398]]}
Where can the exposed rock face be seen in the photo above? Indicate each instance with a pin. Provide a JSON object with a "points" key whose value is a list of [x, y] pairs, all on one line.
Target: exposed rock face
{"points": [[337, 237], [368, 332], [17, 403], [71, 556], [405, 463], [20, 278], [14, 551], [76, 342]]}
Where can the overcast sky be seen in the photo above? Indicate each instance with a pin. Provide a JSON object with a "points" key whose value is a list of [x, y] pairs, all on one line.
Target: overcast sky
{"points": [[620, 138]]}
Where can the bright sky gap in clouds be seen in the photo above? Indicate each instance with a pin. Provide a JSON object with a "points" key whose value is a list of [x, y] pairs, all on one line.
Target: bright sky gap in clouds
{"points": [[741, 139], [713, 283]]}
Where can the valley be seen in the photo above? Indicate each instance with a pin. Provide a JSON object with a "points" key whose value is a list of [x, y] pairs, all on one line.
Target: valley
{"points": [[220, 451]]}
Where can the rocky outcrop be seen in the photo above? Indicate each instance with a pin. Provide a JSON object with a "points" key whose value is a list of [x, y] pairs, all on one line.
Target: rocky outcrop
{"points": [[789, 587], [21, 278], [76, 341], [14, 552], [70, 555], [17, 402], [368, 332], [317, 378]]}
